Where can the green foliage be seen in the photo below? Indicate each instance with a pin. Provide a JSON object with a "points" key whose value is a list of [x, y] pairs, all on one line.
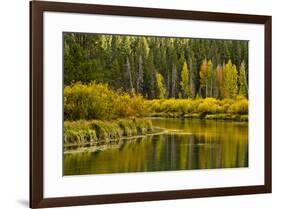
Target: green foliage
{"points": [[128, 126], [184, 80], [161, 89], [223, 116], [90, 132], [130, 63], [143, 126], [78, 132], [106, 130]]}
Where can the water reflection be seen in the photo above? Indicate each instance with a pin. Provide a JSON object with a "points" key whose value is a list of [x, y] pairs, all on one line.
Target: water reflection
{"points": [[198, 145]]}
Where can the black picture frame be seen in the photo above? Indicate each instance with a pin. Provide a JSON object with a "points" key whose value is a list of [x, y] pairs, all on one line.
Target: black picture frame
{"points": [[37, 8]]}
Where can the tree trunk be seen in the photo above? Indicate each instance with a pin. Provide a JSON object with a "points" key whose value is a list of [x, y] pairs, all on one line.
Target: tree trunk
{"points": [[174, 81], [168, 84], [128, 65], [139, 84]]}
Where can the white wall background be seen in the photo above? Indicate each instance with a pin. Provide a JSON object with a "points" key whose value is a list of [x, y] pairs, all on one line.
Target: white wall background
{"points": [[14, 103]]}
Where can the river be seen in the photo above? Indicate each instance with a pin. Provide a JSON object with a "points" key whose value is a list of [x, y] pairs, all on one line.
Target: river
{"points": [[188, 144]]}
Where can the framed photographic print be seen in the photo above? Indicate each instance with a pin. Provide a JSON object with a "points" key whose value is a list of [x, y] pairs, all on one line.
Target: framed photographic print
{"points": [[139, 104]]}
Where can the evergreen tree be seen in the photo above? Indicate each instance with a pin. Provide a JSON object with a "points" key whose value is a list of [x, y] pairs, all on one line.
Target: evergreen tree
{"points": [[130, 62], [149, 77]]}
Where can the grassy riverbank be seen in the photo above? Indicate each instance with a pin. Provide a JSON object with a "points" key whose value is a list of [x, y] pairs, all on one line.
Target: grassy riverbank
{"points": [[201, 116], [209, 108], [91, 132]]}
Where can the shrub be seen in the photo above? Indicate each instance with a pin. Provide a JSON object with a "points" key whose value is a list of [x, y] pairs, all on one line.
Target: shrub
{"points": [[239, 107], [208, 105], [98, 101], [188, 105], [201, 107]]}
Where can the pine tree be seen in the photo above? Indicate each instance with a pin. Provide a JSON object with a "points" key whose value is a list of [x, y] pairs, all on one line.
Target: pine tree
{"points": [[149, 77], [130, 63]]}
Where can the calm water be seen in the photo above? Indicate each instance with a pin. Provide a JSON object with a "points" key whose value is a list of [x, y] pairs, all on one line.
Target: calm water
{"points": [[189, 144]]}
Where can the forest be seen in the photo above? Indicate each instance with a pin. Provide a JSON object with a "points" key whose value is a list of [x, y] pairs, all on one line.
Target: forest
{"points": [[144, 103], [110, 80], [157, 67]]}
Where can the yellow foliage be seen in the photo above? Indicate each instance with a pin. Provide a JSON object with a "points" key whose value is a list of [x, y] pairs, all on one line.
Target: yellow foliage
{"points": [[239, 107], [98, 101], [204, 106]]}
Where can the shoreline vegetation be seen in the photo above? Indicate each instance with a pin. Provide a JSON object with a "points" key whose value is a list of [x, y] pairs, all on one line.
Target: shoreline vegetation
{"points": [[99, 102], [95, 114], [97, 132]]}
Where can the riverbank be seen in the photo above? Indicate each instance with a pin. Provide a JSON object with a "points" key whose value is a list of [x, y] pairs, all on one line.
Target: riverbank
{"points": [[208, 108], [202, 116], [95, 132]]}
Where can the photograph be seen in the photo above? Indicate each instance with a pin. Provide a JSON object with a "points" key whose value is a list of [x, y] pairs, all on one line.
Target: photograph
{"points": [[134, 103]]}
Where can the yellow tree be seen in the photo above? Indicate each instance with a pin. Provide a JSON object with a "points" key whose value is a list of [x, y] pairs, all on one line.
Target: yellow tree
{"points": [[184, 80], [202, 74], [219, 80], [209, 79], [243, 87], [230, 81], [160, 84]]}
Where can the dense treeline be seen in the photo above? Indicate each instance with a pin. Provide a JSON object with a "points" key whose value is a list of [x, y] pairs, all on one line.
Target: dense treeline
{"points": [[158, 67]]}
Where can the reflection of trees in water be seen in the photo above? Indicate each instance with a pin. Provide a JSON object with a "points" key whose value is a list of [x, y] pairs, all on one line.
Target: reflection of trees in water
{"points": [[208, 145]]}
